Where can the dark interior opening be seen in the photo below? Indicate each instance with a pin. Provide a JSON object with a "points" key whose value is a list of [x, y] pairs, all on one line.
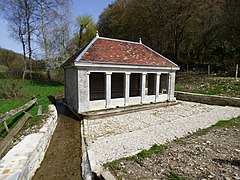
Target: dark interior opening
{"points": [[135, 89], [117, 85], [97, 86], [150, 84], [164, 84]]}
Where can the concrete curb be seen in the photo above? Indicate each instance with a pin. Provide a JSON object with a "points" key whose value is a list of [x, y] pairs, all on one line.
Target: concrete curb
{"points": [[208, 99], [22, 161], [86, 167], [125, 110]]}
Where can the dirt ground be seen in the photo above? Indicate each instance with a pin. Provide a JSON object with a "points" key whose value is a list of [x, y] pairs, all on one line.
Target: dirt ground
{"points": [[211, 154], [63, 157]]}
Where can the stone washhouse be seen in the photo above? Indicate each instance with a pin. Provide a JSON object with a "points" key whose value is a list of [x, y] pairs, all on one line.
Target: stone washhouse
{"points": [[110, 73]]}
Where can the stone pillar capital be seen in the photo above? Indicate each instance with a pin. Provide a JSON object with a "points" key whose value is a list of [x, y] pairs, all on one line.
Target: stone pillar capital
{"points": [[108, 73]]}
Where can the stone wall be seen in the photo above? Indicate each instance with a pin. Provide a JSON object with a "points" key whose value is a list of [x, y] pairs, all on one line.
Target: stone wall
{"points": [[22, 161], [208, 99], [83, 90], [71, 90]]}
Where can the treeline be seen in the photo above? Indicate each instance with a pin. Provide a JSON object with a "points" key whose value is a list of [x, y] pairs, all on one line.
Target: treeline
{"points": [[41, 27], [12, 64], [191, 33], [44, 30]]}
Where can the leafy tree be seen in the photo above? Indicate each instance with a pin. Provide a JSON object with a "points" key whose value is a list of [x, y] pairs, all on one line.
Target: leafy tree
{"points": [[87, 29], [185, 31], [231, 27], [85, 33]]}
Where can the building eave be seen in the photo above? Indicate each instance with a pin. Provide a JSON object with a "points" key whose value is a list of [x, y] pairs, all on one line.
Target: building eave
{"points": [[121, 66]]}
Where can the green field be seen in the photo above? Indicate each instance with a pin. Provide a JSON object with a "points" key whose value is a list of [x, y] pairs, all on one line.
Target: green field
{"points": [[44, 91], [212, 85]]}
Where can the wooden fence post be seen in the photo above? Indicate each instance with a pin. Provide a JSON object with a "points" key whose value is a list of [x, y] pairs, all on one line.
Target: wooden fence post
{"points": [[6, 127], [4, 117], [236, 75], [209, 71]]}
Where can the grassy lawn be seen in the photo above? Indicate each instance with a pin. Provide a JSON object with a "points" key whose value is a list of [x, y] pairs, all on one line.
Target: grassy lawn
{"points": [[212, 85], [44, 91]]}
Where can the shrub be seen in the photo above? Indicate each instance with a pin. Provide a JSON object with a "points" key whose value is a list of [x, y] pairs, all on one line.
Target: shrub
{"points": [[10, 89]]}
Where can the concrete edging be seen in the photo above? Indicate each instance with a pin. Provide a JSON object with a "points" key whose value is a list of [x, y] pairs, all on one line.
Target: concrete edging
{"points": [[208, 99], [22, 161], [86, 167]]}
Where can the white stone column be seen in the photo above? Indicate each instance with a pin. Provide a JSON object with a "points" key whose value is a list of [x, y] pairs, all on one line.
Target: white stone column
{"points": [[108, 89], [157, 86], [127, 88], [173, 77], [143, 85], [171, 86], [88, 82], [83, 90]]}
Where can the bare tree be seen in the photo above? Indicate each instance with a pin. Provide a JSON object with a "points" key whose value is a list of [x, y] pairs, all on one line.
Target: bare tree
{"points": [[20, 15], [13, 13], [53, 29]]}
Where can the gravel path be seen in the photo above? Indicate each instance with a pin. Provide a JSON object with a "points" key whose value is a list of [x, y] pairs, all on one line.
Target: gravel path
{"points": [[121, 136]]}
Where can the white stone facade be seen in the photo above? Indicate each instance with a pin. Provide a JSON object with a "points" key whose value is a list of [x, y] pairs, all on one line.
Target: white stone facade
{"points": [[137, 85]]}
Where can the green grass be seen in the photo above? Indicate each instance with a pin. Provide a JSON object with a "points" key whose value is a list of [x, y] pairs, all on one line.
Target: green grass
{"points": [[208, 85], [148, 153], [137, 158], [44, 91], [234, 122], [175, 176]]}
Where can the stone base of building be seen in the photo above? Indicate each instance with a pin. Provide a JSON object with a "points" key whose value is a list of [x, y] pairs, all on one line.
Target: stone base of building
{"points": [[123, 110]]}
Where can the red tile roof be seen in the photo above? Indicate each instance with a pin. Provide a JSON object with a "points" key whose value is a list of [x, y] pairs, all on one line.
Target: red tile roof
{"points": [[105, 50], [74, 56]]}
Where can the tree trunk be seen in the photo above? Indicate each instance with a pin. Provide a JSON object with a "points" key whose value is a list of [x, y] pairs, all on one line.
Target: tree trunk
{"points": [[27, 11], [45, 43], [24, 52], [80, 36]]}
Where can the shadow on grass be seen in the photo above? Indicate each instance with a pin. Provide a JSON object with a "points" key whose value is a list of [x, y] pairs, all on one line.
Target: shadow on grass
{"points": [[14, 121], [45, 83], [52, 99], [11, 125]]}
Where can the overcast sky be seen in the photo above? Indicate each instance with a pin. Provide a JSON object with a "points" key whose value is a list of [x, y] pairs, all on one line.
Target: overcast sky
{"points": [[79, 7]]}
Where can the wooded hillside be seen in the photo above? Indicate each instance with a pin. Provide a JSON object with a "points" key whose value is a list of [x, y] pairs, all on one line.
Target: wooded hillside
{"points": [[193, 33], [12, 61]]}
